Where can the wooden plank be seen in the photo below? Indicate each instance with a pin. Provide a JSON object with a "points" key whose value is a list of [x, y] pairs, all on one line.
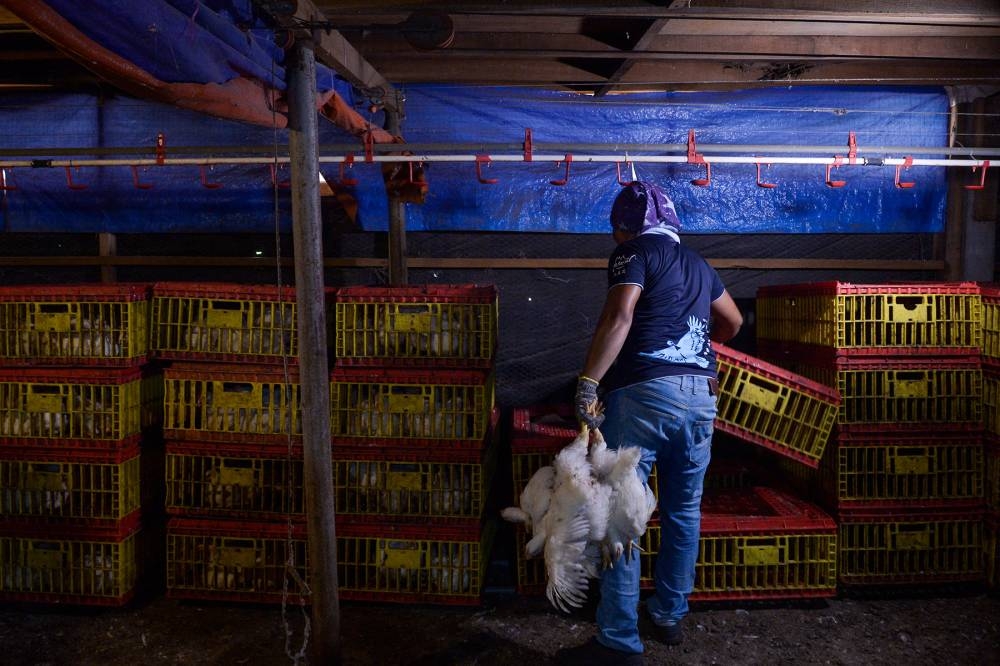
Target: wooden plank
{"points": [[333, 50], [498, 263]]}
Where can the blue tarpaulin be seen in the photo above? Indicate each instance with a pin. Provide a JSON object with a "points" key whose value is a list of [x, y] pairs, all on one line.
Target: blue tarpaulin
{"points": [[522, 199]]}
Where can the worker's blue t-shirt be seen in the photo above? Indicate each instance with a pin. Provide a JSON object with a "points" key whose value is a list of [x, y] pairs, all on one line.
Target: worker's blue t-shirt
{"points": [[669, 332]]}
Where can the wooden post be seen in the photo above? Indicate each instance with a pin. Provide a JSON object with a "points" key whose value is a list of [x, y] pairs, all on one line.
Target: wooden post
{"points": [[398, 274], [107, 245], [313, 372]]}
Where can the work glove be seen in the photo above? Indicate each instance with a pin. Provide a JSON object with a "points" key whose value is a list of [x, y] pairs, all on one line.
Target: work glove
{"points": [[589, 411]]}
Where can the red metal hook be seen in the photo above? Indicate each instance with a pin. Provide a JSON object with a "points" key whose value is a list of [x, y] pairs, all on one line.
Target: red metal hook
{"points": [[410, 181], [618, 168], [907, 163], [369, 146], [837, 161], [204, 180], [694, 157], [161, 148], [5, 185], [527, 144], [69, 181], [280, 184], [480, 160], [567, 160], [135, 180], [982, 177], [761, 183], [348, 163]]}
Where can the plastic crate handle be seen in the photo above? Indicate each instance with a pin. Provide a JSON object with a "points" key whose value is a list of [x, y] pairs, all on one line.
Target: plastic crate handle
{"points": [[761, 393], [912, 309], [238, 553], [912, 537], [401, 555], [46, 555], [762, 552], [910, 460]]}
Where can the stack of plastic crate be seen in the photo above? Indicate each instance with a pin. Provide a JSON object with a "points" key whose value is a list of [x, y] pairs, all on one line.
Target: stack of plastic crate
{"points": [[232, 425], [904, 473], [756, 543], [414, 441], [990, 294], [80, 455]]}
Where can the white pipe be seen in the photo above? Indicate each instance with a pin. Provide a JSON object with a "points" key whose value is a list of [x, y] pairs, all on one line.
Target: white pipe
{"points": [[340, 159]]}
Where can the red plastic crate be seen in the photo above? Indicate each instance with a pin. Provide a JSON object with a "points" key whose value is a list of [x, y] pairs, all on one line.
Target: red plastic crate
{"points": [[430, 325], [756, 543], [220, 402], [894, 470], [225, 322], [234, 560], [62, 487], [992, 471], [74, 325], [897, 393], [413, 564], [411, 407], [76, 407], [438, 486], [990, 294], [774, 408], [839, 318], [230, 480], [83, 566], [906, 547], [991, 550]]}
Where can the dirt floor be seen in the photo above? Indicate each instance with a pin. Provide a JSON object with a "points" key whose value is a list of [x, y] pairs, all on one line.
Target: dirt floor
{"points": [[963, 628]]}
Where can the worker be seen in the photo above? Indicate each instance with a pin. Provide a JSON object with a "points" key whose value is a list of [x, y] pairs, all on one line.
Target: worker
{"points": [[651, 356]]}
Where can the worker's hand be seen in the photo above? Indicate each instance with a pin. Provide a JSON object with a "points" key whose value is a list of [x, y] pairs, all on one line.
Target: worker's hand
{"points": [[588, 410]]}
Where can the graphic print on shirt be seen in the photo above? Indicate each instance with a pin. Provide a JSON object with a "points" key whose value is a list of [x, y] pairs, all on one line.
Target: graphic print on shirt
{"points": [[688, 349], [621, 263]]}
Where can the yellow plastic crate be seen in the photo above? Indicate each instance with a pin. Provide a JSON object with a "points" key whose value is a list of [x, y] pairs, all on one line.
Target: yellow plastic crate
{"points": [[440, 325], [991, 400], [234, 560], [991, 551], [942, 393], [411, 407], [919, 318], [85, 570], [224, 322], [774, 408], [755, 543], [231, 403], [83, 487], [992, 467], [398, 485], [413, 564], [991, 324], [943, 469], [232, 480], [81, 405], [893, 547], [73, 325]]}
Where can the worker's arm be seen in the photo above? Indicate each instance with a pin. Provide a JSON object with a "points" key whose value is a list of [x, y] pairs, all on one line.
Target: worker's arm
{"points": [[612, 329], [726, 318]]}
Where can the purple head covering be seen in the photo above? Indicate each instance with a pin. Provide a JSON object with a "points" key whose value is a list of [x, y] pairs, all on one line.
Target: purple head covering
{"points": [[640, 207]]}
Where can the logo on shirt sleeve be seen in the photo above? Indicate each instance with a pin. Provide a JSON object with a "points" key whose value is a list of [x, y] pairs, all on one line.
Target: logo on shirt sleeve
{"points": [[620, 264], [688, 349]]}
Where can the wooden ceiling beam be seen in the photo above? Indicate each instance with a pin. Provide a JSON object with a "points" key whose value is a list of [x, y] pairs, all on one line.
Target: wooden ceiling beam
{"points": [[706, 46], [336, 52]]}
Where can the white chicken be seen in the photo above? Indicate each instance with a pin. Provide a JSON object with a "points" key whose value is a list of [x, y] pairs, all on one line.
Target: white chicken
{"points": [[535, 500], [584, 509], [631, 506]]}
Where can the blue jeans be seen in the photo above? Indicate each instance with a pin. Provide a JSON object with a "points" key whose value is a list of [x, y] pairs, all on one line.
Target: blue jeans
{"points": [[672, 419]]}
